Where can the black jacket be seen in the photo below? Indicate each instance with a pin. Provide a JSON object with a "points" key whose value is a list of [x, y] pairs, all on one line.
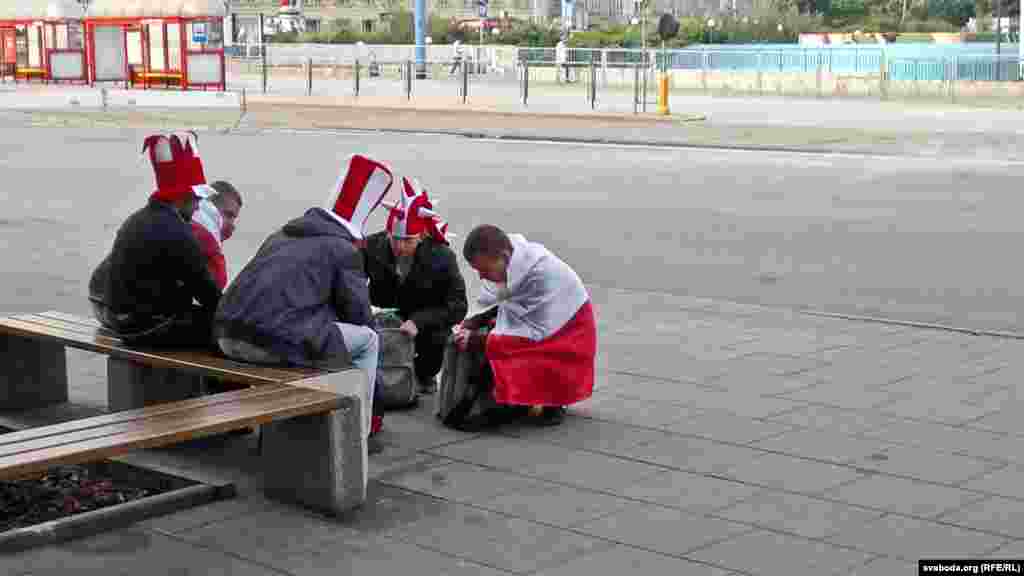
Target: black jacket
{"points": [[154, 271], [433, 294], [303, 279]]}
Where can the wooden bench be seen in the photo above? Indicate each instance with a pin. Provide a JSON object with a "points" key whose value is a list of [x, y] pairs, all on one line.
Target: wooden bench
{"points": [[313, 426], [29, 73], [148, 78]]}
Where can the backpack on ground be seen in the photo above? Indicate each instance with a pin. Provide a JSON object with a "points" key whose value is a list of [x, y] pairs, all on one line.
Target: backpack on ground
{"points": [[465, 396], [396, 385]]}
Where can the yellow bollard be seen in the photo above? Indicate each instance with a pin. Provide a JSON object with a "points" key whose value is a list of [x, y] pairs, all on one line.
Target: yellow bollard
{"points": [[663, 94]]}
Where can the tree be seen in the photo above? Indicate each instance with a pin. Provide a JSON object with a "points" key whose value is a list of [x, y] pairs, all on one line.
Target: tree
{"points": [[956, 12]]}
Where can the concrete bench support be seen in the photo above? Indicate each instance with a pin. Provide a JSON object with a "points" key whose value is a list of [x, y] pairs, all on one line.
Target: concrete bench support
{"points": [[131, 385], [33, 373], [320, 461]]}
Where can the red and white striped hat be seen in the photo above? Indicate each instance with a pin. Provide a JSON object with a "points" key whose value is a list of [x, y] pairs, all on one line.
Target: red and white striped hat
{"points": [[415, 214], [362, 185]]}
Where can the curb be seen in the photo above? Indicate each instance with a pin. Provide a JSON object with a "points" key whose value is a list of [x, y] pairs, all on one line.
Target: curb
{"points": [[481, 135], [110, 518], [647, 118]]}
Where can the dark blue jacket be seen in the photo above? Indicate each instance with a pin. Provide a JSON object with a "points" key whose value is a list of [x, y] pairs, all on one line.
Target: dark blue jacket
{"points": [[303, 279]]}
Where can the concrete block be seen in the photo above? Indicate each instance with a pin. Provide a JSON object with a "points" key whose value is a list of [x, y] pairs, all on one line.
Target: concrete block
{"points": [[33, 373], [131, 385], [319, 461]]}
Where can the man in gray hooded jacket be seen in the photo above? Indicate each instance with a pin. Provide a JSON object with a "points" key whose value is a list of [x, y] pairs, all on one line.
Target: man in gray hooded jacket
{"points": [[303, 300]]}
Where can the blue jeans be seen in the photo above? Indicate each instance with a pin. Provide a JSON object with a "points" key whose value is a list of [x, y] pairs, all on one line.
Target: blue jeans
{"points": [[363, 346]]}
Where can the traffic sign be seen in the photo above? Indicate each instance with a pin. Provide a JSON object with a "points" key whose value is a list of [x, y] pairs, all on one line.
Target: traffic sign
{"points": [[199, 32]]}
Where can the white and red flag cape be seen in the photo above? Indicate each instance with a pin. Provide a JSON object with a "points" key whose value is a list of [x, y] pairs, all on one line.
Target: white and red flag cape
{"points": [[544, 343]]}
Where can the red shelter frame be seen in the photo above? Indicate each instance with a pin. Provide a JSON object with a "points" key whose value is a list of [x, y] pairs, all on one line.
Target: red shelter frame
{"points": [[164, 47], [46, 35]]}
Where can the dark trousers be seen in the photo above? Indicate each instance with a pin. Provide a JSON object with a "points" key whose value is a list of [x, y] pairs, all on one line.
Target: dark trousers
{"points": [[429, 353], [189, 329]]}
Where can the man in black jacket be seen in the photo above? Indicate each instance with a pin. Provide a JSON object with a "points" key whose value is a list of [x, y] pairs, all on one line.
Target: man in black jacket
{"points": [[145, 289], [411, 268], [303, 299]]}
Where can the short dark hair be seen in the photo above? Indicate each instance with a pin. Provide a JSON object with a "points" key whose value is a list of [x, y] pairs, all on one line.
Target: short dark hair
{"points": [[486, 240], [224, 190]]}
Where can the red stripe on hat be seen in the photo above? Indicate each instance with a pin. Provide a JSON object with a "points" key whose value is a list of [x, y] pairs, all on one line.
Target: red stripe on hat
{"points": [[359, 172]]}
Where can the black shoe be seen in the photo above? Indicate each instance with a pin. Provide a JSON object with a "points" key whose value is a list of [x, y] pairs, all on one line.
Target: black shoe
{"points": [[550, 416], [374, 445]]}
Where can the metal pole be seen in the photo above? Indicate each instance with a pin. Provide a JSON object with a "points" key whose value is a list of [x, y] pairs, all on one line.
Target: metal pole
{"points": [[593, 82], [643, 60], [636, 88], [465, 80], [309, 76], [355, 77], [526, 81], [419, 23], [263, 51], [408, 79], [999, 32]]}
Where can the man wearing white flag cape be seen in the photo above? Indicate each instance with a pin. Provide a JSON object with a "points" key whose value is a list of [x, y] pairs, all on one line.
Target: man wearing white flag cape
{"points": [[543, 345]]}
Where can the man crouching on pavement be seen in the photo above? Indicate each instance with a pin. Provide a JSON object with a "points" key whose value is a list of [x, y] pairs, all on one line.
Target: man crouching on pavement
{"points": [[411, 268], [544, 343], [303, 299]]}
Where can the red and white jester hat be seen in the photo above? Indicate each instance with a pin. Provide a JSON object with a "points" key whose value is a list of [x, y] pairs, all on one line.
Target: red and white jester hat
{"points": [[176, 166], [415, 214]]}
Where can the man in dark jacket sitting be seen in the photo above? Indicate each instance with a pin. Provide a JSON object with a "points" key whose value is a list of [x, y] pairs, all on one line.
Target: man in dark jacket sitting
{"points": [[303, 299], [145, 289], [411, 268]]}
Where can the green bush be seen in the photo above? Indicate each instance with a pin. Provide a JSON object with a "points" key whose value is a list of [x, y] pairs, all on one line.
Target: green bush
{"points": [[956, 12]]}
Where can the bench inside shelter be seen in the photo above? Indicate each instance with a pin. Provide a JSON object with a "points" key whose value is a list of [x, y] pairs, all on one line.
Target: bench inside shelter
{"points": [[313, 438]]}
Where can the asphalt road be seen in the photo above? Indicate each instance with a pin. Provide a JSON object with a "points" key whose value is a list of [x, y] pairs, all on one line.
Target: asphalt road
{"points": [[909, 238]]}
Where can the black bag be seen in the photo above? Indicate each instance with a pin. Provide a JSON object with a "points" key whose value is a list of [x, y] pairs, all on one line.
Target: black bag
{"points": [[396, 385], [465, 399]]}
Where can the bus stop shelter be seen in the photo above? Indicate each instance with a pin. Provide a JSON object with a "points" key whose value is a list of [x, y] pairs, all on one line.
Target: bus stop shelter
{"points": [[147, 43], [42, 40]]}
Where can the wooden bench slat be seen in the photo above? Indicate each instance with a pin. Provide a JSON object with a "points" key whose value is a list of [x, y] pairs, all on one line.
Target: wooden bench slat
{"points": [[168, 429], [71, 318], [134, 415], [156, 422], [203, 363], [91, 327]]}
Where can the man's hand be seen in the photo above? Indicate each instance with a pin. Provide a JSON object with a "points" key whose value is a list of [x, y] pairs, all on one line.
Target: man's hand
{"points": [[409, 327]]}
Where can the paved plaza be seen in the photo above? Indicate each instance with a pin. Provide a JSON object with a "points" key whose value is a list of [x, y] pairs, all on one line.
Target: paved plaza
{"points": [[733, 430]]}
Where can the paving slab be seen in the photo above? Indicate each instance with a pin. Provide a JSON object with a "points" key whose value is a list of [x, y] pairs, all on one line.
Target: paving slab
{"points": [[130, 551], [902, 496], [800, 515], [695, 454], [1007, 482], [660, 529], [497, 540], [384, 556], [693, 493], [625, 559], [781, 472], [823, 445], [845, 421], [998, 515], [910, 539], [764, 552]]}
